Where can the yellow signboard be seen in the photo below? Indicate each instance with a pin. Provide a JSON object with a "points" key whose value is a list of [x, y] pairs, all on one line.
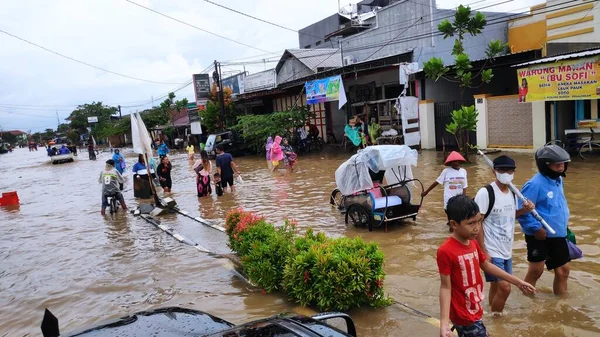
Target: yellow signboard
{"points": [[560, 81]]}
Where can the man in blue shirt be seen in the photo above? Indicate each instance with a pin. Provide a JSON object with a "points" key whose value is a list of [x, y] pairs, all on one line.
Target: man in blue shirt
{"points": [[546, 191], [225, 168]]}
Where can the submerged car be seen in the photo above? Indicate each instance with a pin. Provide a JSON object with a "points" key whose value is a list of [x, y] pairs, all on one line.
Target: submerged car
{"points": [[231, 141], [175, 321]]}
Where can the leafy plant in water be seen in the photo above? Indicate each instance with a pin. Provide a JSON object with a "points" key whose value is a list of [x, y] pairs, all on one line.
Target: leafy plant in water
{"points": [[464, 120]]}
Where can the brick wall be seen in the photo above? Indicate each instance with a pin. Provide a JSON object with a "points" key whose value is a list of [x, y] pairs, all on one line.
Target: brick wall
{"points": [[509, 122]]}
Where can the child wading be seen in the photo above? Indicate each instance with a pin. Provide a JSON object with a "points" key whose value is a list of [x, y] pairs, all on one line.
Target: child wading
{"points": [[498, 205], [454, 178], [459, 259]]}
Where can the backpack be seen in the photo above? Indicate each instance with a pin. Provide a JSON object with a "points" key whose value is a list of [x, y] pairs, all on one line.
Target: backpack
{"points": [[492, 199]]}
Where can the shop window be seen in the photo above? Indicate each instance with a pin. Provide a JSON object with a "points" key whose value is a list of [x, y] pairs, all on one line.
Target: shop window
{"points": [[393, 91]]}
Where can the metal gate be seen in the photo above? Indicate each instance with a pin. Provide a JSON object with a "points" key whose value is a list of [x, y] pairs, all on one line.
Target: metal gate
{"points": [[443, 116]]}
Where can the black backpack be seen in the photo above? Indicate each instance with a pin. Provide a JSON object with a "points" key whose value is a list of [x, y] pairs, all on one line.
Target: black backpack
{"points": [[492, 198]]}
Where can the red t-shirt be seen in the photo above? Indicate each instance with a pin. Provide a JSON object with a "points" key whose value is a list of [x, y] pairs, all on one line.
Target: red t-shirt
{"points": [[462, 264]]}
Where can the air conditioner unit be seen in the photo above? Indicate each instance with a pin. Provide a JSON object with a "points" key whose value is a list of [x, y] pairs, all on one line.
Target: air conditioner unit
{"points": [[348, 60]]}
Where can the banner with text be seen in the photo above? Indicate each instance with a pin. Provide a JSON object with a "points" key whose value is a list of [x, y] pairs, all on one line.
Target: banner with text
{"points": [[323, 90], [560, 81]]}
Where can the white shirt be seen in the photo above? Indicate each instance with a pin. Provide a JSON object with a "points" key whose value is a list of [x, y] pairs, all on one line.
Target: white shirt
{"points": [[499, 226], [454, 181]]}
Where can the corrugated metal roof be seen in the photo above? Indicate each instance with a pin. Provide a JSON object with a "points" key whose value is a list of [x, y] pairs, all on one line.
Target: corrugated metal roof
{"points": [[314, 58], [562, 57]]}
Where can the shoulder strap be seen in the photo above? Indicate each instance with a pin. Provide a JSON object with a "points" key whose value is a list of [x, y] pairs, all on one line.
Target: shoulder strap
{"points": [[492, 200]]}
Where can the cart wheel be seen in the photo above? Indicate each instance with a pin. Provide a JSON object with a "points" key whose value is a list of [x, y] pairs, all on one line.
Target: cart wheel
{"points": [[336, 198], [358, 215]]}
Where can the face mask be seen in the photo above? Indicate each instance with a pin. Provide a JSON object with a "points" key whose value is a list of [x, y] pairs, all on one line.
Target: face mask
{"points": [[505, 178]]}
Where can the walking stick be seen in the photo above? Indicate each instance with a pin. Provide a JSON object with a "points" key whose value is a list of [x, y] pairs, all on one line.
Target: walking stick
{"points": [[518, 193]]}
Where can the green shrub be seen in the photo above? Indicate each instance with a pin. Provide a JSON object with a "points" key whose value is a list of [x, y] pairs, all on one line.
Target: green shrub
{"points": [[312, 269], [336, 274]]}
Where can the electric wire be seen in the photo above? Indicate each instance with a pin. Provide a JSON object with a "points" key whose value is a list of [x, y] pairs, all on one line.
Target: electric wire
{"points": [[196, 27], [81, 62]]}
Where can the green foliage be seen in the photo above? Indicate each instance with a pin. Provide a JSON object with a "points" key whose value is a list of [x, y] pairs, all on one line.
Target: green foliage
{"points": [[210, 116], [257, 128], [495, 48], [464, 120], [80, 115], [465, 22], [331, 274], [434, 68]]}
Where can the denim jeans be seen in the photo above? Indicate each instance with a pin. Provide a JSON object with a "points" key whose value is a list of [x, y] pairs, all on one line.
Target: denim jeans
{"points": [[476, 329]]}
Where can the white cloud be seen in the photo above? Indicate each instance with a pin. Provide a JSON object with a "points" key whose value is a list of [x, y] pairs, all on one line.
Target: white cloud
{"points": [[124, 38]]}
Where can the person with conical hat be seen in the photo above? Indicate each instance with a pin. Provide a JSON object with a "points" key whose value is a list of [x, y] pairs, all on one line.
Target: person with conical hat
{"points": [[453, 178]]}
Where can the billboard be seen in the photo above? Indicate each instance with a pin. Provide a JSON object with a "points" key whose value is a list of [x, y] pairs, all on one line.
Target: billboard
{"points": [[235, 83], [263, 80], [201, 88], [573, 79]]}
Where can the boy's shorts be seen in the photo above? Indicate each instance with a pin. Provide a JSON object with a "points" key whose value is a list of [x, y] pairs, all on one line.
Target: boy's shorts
{"points": [[476, 329], [226, 181], [554, 251], [503, 264]]}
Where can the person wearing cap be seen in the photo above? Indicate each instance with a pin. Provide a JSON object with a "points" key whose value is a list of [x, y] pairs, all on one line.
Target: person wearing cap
{"points": [[498, 206], [453, 178], [546, 191], [111, 181]]}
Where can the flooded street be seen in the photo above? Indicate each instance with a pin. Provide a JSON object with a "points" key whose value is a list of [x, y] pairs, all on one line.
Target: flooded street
{"points": [[58, 252]]}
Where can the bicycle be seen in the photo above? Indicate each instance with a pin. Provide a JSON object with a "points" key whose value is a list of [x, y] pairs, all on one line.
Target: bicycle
{"points": [[589, 146], [113, 204], [586, 148]]}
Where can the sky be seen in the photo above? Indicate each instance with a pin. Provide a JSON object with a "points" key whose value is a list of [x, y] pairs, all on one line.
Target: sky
{"points": [[39, 89]]}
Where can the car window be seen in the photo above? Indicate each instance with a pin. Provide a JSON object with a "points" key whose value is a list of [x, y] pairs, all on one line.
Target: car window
{"points": [[260, 330]]}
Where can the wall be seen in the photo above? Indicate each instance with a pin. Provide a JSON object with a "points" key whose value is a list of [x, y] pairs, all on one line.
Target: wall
{"points": [[474, 45], [317, 31], [557, 21], [292, 69], [338, 120], [509, 123]]}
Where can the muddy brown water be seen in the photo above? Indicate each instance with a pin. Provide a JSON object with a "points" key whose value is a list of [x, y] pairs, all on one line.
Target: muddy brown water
{"points": [[57, 252]]}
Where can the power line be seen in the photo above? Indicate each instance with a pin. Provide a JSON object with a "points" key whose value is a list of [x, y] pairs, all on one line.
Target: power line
{"points": [[196, 27], [262, 20], [390, 41], [28, 115], [79, 61]]}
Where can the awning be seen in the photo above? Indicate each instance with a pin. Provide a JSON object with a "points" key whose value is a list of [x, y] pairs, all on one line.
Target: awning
{"points": [[561, 57]]}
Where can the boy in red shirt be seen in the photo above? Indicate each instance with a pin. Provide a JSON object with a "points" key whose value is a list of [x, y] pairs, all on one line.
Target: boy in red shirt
{"points": [[459, 260]]}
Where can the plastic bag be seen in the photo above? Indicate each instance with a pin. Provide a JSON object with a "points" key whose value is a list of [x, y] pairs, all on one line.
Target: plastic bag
{"points": [[571, 236], [574, 251], [240, 181]]}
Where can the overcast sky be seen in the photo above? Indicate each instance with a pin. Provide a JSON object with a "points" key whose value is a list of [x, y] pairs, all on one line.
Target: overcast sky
{"points": [[121, 37]]}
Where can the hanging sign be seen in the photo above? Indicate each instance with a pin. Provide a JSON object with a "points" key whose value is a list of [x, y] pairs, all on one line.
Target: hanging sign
{"points": [[560, 81], [323, 90]]}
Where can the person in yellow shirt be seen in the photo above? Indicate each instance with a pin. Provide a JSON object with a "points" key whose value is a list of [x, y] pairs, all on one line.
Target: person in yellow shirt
{"points": [[190, 151]]}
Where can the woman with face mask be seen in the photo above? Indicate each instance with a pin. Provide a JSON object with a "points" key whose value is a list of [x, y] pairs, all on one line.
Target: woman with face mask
{"points": [[498, 207]]}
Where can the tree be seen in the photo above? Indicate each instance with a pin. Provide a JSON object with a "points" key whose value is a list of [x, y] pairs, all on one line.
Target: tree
{"points": [[211, 116], [256, 128], [462, 71], [79, 117]]}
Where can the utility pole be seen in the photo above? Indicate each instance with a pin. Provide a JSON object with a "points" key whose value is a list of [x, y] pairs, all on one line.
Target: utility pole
{"points": [[217, 78], [57, 121], [121, 136]]}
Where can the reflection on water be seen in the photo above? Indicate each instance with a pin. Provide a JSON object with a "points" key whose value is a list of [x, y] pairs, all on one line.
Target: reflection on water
{"points": [[56, 250]]}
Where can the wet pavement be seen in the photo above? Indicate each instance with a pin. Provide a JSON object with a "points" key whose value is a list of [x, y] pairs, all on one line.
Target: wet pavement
{"points": [[57, 251]]}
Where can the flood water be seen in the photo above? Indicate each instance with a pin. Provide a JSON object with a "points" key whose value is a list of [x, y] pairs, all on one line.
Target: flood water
{"points": [[58, 252]]}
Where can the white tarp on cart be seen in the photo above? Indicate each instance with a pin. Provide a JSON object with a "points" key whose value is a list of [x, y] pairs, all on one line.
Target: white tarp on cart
{"points": [[353, 175]]}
